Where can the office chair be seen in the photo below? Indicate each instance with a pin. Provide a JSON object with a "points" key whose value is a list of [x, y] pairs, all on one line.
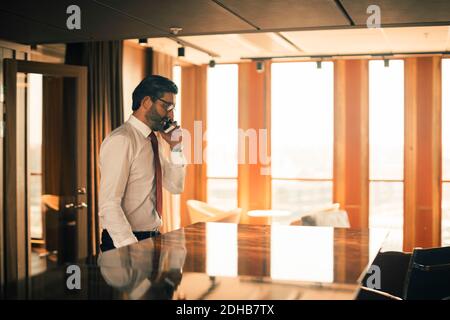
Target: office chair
{"points": [[203, 212], [328, 216], [424, 275], [428, 274], [394, 268]]}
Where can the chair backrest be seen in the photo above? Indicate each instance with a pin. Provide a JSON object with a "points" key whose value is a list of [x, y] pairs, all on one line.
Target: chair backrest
{"points": [[428, 274], [203, 212], [337, 219], [393, 267], [327, 207]]}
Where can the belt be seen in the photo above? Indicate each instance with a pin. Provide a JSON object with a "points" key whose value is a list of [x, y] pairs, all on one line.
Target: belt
{"points": [[108, 244]]}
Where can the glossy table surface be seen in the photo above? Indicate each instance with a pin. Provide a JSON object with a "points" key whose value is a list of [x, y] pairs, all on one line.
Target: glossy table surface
{"points": [[224, 261]]}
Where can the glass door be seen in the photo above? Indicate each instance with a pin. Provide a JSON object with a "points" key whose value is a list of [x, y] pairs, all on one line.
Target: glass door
{"points": [[45, 168]]}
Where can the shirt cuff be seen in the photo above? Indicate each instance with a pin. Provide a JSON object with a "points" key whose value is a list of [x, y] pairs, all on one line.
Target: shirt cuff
{"points": [[178, 148], [126, 242], [177, 158]]}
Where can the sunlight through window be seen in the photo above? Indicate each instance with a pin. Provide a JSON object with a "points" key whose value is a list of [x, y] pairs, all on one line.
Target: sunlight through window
{"points": [[222, 130], [386, 134], [302, 136]]}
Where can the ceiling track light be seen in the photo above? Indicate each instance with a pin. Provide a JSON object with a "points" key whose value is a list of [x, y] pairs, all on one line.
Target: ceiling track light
{"points": [[319, 64], [386, 63], [143, 41], [181, 51], [186, 44], [260, 66]]}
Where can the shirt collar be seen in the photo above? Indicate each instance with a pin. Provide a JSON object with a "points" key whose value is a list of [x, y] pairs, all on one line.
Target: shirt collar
{"points": [[140, 126]]}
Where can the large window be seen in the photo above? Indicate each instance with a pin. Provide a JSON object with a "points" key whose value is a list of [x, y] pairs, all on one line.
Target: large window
{"points": [[302, 136], [386, 134], [222, 130], [445, 152], [34, 172]]}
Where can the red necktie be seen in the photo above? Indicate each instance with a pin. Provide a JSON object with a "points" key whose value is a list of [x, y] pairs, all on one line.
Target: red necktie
{"points": [[158, 173]]}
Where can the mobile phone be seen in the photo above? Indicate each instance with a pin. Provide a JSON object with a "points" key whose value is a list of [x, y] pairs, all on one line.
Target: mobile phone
{"points": [[169, 125]]}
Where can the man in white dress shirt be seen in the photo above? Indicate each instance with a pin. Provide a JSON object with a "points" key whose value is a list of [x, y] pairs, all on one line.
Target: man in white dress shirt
{"points": [[131, 177]]}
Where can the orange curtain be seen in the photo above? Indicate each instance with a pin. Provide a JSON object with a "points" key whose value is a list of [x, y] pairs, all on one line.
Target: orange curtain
{"points": [[104, 61], [254, 179], [193, 119], [422, 192], [351, 135]]}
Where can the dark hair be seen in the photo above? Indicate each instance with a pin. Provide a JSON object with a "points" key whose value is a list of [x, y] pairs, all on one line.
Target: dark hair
{"points": [[153, 86]]}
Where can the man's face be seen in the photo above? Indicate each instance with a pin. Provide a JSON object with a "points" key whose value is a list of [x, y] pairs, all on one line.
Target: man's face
{"points": [[158, 111]]}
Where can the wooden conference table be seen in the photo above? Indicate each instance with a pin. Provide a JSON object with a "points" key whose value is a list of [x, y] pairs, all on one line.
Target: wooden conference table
{"points": [[225, 261]]}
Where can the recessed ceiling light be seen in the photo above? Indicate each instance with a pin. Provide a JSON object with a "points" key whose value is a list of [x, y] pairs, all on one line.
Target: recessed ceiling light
{"points": [[175, 30]]}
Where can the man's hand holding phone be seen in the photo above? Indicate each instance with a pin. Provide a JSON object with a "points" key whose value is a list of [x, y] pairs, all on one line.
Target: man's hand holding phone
{"points": [[174, 137]]}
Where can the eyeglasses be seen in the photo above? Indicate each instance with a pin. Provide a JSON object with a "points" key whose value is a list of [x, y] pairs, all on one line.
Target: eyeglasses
{"points": [[169, 106]]}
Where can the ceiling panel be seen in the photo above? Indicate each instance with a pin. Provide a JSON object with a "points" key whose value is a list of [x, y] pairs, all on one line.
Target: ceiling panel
{"points": [[97, 21], [32, 32], [44, 21], [418, 39], [194, 16], [400, 11], [372, 41], [285, 14], [234, 47], [231, 47], [349, 41]]}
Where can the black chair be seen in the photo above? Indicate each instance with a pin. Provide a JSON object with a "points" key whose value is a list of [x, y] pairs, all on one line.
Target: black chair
{"points": [[424, 274], [394, 268], [428, 274]]}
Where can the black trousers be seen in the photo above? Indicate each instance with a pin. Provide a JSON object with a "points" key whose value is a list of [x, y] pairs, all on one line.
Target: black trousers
{"points": [[107, 242]]}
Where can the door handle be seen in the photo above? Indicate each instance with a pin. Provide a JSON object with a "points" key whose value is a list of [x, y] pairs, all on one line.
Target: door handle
{"points": [[80, 205]]}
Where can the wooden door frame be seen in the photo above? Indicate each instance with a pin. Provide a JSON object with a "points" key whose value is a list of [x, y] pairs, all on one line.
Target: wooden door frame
{"points": [[16, 247]]}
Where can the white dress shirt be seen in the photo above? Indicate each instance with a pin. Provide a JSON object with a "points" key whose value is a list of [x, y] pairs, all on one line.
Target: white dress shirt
{"points": [[127, 181]]}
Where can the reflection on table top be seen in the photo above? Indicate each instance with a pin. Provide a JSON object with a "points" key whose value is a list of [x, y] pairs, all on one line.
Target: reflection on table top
{"points": [[229, 261]]}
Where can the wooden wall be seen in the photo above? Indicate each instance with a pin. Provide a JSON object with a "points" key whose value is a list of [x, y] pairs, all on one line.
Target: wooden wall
{"points": [[422, 192], [194, 101], [351, 140], [254, 179], [135, 67]]}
